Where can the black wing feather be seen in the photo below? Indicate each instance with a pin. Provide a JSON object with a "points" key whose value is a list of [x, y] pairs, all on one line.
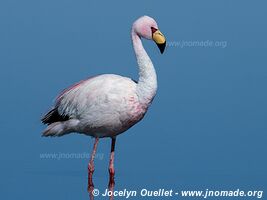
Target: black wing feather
{"points": [[135, 81], [53, 116]]}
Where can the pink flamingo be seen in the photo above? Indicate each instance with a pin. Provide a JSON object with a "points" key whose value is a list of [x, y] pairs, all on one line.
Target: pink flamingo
{"points": [[107, 105]]}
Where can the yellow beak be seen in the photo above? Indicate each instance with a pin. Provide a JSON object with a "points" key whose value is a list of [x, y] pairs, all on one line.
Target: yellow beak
{"points": [[160, 40]]}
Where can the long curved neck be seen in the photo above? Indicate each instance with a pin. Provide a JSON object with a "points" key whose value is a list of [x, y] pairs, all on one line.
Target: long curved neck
{"points": [[147, 83]]}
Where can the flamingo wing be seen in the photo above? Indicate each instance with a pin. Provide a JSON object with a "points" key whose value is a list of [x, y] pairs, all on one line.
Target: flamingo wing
{"points": [[54, 115], [88, 97]]}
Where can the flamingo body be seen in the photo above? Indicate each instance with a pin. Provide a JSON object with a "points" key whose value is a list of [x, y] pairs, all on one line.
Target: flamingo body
{"points": [[101, 106]]}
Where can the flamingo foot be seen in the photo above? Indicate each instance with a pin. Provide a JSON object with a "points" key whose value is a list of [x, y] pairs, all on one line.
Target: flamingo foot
{"points": [[90, 187], [90, 179], [91, 169], [111, 177], [111, 184]]}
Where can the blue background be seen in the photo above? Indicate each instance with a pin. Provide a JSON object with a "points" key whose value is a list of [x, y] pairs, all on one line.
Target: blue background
{"points": [[205, 129]]}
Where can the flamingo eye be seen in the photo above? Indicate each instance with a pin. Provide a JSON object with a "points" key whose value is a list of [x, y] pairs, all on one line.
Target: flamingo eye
{"points": [[153, 30]]}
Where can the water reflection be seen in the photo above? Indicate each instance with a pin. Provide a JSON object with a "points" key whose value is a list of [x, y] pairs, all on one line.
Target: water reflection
{"points": [[111, 185], [92, 192]]}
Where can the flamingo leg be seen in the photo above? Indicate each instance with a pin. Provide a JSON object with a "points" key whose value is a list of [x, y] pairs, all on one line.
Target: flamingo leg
{"points": [[111, 165], [91, 167]]}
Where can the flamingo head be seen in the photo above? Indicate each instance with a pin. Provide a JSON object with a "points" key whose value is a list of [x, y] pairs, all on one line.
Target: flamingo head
{"points": [[146, 27]]}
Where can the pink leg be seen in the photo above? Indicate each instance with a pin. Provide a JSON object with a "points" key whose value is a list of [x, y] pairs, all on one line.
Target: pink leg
{"points": [[91, 167], [111, 165]]}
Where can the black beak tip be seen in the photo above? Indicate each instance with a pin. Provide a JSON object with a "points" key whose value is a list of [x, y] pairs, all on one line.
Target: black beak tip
{"points": [[161, 47]]}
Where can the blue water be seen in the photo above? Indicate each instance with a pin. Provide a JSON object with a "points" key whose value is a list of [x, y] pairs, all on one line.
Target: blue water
{"points": [[205, 130]]}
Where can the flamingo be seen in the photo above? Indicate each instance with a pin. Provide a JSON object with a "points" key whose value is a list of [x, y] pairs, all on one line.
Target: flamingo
{"points": [[108, 105]]}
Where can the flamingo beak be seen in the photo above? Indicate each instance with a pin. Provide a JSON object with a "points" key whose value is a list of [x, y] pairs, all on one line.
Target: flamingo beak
{"points": [[159, 39]]}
